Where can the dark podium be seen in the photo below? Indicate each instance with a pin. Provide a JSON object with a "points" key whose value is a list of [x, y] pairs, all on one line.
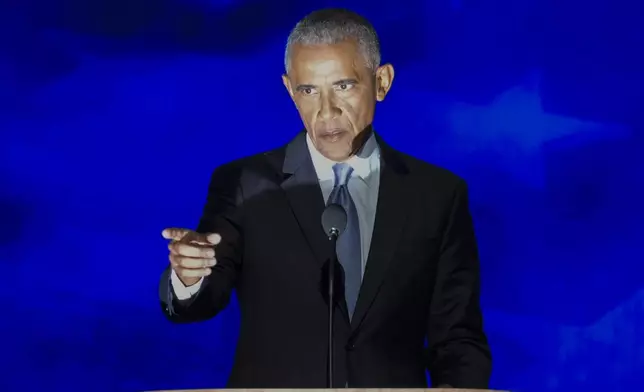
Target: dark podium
{"points": [[336, 390]]}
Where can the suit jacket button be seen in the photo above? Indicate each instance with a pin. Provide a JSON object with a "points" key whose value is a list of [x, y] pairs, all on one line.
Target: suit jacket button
{"points": [[350, 346]]}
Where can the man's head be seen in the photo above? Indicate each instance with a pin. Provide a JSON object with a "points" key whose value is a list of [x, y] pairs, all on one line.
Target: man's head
{"points": [[334, 76]]}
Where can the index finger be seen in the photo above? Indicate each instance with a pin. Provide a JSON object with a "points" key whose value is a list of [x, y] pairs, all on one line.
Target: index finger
{"points": [[174, 233], [177, 234]]}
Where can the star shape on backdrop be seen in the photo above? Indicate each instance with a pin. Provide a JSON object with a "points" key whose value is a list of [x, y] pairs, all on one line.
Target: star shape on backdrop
{"points": [[516, 126], [577, 356]]}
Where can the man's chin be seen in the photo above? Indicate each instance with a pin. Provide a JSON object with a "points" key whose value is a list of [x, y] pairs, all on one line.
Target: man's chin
{"points": [[336, 154]]}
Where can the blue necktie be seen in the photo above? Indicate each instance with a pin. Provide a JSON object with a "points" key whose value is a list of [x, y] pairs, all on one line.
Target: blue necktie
{"points": [[348, 245]]}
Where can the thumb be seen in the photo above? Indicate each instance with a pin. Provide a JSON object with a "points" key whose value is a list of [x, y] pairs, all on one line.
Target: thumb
{"points": [[174, 233], [205, 238], [213, 238]]}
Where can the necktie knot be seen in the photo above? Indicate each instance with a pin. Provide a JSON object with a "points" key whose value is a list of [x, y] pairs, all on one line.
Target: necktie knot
{"points": [[342, 173]]}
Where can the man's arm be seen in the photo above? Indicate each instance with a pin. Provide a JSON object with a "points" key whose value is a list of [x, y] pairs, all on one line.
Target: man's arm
{"points": [[223, 215], [180, 290], [459, 355]]}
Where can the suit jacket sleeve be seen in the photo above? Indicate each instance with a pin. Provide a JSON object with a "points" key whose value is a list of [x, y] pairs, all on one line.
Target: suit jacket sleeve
{"points": [[222, 214], [459, 355]]}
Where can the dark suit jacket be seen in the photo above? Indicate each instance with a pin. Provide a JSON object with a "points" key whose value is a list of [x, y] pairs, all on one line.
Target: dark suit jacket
{"points": [[421, 282]]}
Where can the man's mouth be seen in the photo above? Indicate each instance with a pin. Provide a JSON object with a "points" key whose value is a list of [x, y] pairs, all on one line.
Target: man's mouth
{"points": [[333, 135]]}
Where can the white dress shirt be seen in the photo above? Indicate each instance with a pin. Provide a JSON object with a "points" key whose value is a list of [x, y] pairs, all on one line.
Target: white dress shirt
{"points": [[363, 187]]}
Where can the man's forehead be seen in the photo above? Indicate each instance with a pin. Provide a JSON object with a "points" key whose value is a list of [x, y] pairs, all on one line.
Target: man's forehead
{"points": [[343, 49], [327, 58]]}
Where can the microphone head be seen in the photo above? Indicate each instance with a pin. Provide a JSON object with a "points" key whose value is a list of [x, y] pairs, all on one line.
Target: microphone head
{"points": [[334, 218]]}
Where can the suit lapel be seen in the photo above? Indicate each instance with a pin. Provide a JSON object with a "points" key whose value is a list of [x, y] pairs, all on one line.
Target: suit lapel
{"points": [[303, 192], [301, 186], [304, 195], [391, 213]]}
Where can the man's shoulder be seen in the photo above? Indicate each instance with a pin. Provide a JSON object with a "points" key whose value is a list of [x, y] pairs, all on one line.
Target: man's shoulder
{"points": [[429, 174], [263, 163]]}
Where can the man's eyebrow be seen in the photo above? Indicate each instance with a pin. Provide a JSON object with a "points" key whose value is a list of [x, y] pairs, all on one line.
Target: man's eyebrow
{"points": [[340, 82], [345, 81], [301, 87]]}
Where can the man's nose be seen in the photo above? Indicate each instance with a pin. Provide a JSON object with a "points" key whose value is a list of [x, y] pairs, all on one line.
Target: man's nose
{"points": [[328, 108]]}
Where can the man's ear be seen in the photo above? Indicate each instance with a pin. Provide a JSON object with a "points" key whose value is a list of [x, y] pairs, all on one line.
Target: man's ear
{"points": [[384, 79], [287, 83]]}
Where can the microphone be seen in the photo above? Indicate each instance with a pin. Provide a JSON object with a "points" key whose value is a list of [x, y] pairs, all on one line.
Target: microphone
{"points": [[334, 222]]}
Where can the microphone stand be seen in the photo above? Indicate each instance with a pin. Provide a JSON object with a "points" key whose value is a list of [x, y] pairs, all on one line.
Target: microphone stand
{"points": [[333, 237]]}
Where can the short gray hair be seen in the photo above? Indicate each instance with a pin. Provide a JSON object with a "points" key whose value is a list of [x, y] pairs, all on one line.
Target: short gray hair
{"points": [[334, 25]]}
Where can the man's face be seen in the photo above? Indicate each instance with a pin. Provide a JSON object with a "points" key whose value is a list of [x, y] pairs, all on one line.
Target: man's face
{"points": [[335, 94]]}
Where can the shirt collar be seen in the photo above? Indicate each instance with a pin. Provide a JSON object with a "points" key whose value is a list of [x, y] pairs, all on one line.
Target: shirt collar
{"points": [[365, 162]]}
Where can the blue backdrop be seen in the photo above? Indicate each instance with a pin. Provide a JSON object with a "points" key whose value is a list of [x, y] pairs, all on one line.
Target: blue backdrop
{"points": [[113, 114]]}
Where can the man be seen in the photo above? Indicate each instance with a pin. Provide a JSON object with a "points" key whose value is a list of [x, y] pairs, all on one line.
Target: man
{"points": [[409, 264]]}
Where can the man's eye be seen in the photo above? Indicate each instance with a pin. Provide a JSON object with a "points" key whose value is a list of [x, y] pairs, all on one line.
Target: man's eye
{"points": [[345, 86]]}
